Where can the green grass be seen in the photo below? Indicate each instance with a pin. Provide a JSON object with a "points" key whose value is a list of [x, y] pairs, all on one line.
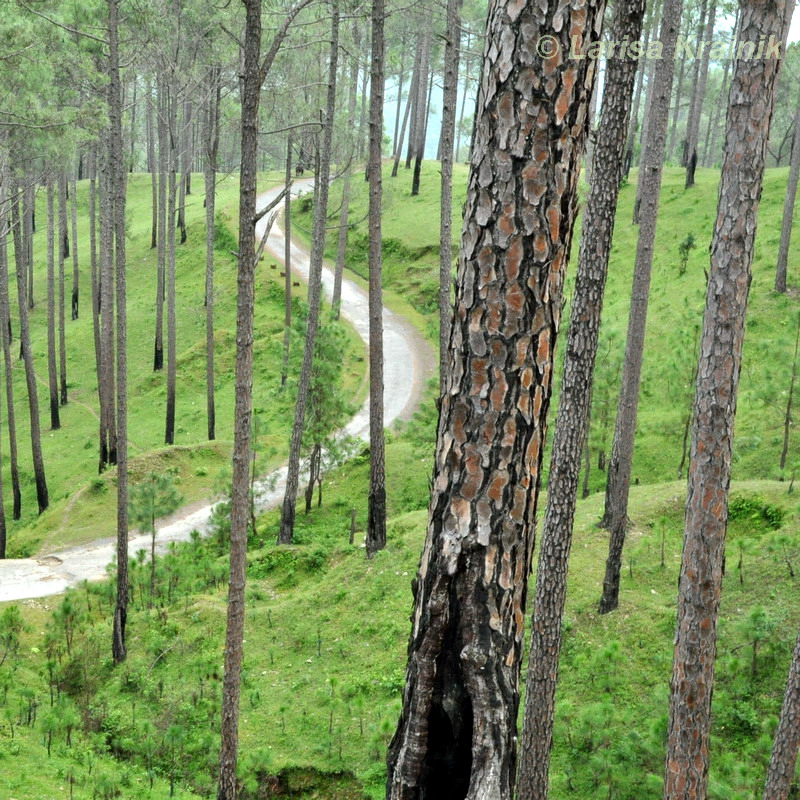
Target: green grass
{"points": [[70, 454], [411, 233]]}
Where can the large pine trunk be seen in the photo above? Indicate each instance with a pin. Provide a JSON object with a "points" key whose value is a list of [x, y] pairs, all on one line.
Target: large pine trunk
{"points": [[314, 290], [700, 581], [780, 774], [456, 738], [788, 208], [108, 428], [75, 294], [161, 268], [376, 500], [169, 278], [421, 113], [574, 406], [63, 254], [651, 168]]}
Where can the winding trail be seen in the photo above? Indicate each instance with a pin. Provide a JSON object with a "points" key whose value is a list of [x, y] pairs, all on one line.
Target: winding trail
{"points": [[408, 364]]}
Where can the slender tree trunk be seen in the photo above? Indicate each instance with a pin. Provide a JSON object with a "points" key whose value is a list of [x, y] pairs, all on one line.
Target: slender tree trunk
{"points": [[287, 262], [780, 774], [3, 267], [344, 214], [108, 437], [118, 187], [172, 352], [363, 118], [93, 193], [651, 168], [132, 155], [693, 133], [63, 254], [422, 114], [163, 166], [185, 165], [314, 290], [400, 75], [676, 111], [5, 336], [788, 208], [27, 356], [787, 418], [467, 61], [29, 214], [732, 245], [412, 91], [572, 420], [52, 371], [376, 501], [243, 402], [457, 731], [420, 80], [152, 167], [449, 99], [212, 148], [75, 296]]}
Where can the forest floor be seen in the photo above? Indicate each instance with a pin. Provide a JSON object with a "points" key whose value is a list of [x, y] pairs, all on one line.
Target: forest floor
{"points": [[327, 630]]}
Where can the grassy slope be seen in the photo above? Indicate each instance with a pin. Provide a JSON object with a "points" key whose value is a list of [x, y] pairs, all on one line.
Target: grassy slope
{"points": [[80, 508], [410, 229], [327, 631]]}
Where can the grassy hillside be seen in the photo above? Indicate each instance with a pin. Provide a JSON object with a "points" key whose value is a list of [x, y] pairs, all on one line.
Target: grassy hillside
{"points": [[410, 230], [79, 500], [326, 634]]}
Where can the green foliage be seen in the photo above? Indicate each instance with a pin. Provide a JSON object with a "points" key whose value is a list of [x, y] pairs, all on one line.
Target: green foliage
{"points": [[755, 513], [684, 249], [152, 498]]}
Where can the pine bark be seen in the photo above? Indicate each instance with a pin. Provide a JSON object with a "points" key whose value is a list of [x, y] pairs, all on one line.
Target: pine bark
{"points": [[787, 222], [117, 191], [108, 428], [42, 497], [732, 245], [161, 268], [449, 100], [152, 167], [422, 114], [575, 401], [457, 731], [286, 533], [412, 90], [780, 774], [376, 500], [75, 294], [243, 402], [651, 169]]}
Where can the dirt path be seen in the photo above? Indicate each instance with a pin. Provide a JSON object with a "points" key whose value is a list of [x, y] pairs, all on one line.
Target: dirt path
{"points": [[408, 364]]}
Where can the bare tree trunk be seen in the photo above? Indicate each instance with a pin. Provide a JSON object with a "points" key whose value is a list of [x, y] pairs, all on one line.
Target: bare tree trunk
{"points": [[314, 290], [118, 186], [376, 501], [3, 268], [287, 262], [420, 81], [75, 296], [422, 113], [700, 582], [693, 132], [163, 166], [29, 214], [172, 351], [412, 91], [650, 170], [42, 497], [788, 208], [63, 254], [787, 418], [344, 214], [457, 731], [400, 75], [93, 194], [52, 371], [5, 336], [152, 167], [185, 165], [449, 99], [467, 61], [677, 109], [212, 148], [572, 420], [780, 774], [108, 435]]}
